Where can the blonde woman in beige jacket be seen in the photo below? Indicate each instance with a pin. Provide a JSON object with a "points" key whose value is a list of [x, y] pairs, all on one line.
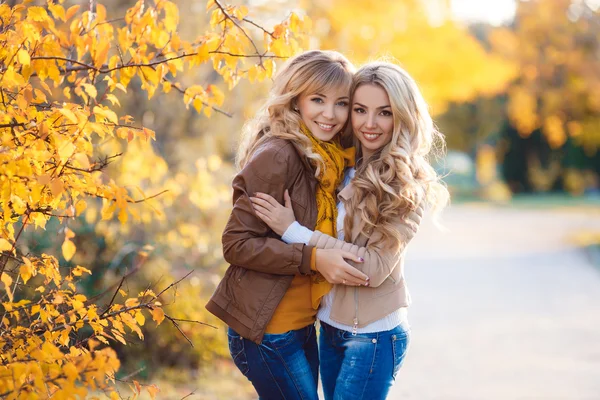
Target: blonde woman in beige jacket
{"points": [[364, 329]]}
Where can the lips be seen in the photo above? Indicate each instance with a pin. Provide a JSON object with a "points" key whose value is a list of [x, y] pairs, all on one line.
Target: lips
{"points": [[371, 136], [325, 127]]}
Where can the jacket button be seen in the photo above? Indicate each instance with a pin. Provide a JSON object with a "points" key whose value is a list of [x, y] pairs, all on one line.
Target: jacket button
{"points": [[393, 337], [374, 340]]}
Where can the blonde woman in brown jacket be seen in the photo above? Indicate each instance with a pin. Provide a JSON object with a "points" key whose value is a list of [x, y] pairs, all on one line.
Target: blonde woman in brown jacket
{"points": [[364, 329]]}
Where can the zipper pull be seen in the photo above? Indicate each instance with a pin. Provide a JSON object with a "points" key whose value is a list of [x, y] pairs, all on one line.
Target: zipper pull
{"points": [[355, 327]]}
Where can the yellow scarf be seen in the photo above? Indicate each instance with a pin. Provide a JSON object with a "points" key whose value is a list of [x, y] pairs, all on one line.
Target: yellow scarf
{"points": [[330, 177]]}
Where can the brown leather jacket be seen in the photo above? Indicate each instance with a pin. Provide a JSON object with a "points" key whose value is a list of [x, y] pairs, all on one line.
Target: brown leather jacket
{"points": [[262, 266]]}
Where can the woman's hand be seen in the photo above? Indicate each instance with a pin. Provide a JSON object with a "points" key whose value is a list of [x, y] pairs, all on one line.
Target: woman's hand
{"points": [[332, 265], [278, 217]]}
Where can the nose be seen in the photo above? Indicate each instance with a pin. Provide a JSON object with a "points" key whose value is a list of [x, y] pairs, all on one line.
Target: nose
{"points": [[371, 121], [328, 111]]}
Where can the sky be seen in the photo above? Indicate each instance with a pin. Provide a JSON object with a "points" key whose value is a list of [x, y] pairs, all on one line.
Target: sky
{"points": [[494, 12]]}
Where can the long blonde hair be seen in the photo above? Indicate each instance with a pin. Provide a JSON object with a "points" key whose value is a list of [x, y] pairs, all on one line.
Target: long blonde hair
{"points": [[397, 178], [307, 73]]}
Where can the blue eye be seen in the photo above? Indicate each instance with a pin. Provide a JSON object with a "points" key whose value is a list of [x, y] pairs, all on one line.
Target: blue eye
{"points": [[342, 103], [317, 100]]}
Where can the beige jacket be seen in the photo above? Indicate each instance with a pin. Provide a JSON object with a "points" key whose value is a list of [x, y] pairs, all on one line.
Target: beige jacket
{"points": [[383, 264]]}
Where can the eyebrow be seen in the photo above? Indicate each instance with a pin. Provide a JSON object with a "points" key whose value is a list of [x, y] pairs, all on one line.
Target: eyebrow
{"points": [[339, 98], [378, 108]]}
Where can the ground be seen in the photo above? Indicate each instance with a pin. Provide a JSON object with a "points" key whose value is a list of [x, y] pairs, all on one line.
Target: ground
{"points": [[505, 306]]}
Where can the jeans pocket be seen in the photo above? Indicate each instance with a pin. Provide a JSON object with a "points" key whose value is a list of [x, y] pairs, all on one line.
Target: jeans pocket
{"points": [[399, 348], [236, 349], [278, 340]]}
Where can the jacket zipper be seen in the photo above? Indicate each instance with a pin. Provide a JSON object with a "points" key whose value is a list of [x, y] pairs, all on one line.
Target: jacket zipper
{"points": [[355, 327]]}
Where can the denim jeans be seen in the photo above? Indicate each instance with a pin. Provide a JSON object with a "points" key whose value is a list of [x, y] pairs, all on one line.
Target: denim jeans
{"points": [[283, 366], [363, 366]]}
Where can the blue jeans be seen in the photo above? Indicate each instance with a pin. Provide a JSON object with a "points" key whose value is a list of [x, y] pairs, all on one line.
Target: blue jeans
{"points": [[362, 366], [283, 366]]}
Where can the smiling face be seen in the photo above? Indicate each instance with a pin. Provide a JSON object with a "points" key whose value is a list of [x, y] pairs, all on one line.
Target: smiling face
{"points": [[372, 118], [324, 113]]}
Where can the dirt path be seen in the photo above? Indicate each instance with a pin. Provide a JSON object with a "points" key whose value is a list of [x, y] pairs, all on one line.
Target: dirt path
{"points": [[504, 307]]}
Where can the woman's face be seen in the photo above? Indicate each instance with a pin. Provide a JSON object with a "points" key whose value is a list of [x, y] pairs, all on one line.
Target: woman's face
{"points": [[324, 113], [372, 118]]}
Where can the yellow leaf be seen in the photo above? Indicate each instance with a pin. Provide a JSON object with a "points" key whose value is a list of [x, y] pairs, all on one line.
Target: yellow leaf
{"points": [[210, 4], [153, 390], [131, 302], [197, 103], [23, 57], [123, 216], [217, 94], [171, 17], [37, 14], [56, 187], [113, 99], [140, 319], [79, 270], [69, 115], [71, 11], [80, 207], [5, 245], [68, 249], [7, 280], [69, 234], [58, 11], [269, 67], [26, 271], [138, 387], [65, 151], [158, 315], [90, 90], [108, 114], [118, 336]]}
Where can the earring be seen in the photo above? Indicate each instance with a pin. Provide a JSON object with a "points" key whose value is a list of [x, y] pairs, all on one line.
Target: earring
{"points": [[296, 109]]}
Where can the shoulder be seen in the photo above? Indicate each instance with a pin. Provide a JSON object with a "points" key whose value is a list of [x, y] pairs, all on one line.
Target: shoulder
{"points": [[274, 160]]}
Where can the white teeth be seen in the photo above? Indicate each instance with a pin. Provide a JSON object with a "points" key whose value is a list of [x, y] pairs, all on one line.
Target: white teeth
{"points": [[325, 127], [371, 136]]}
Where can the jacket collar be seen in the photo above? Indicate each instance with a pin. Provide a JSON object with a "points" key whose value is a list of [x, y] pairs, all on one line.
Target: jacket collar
{"points": [[347, 192]]}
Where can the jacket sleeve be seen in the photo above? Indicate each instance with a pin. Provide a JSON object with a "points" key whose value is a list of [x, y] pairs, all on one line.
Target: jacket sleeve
{"points": [[247, 241], [379, 259]]}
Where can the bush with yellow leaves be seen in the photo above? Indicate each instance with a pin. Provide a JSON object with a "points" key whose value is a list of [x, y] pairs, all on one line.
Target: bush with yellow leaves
{"points": [[60, 71]]}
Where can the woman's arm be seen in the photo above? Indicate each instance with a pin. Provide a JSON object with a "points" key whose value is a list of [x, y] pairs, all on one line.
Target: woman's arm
{"points": [[379, 260], [246, 241], [330, 262]]}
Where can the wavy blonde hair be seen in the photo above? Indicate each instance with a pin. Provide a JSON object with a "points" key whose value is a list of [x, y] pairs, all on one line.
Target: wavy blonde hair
{"points": [[397, 178], [309, 72]]}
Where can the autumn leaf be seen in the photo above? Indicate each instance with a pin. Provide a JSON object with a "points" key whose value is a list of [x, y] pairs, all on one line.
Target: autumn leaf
{"points": [[158, 315], [152, 390], [68, 249], [5, 245], [7, 280]]}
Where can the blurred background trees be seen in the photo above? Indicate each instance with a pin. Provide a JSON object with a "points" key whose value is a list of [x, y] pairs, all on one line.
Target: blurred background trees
{"points": [[518, 100]]}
